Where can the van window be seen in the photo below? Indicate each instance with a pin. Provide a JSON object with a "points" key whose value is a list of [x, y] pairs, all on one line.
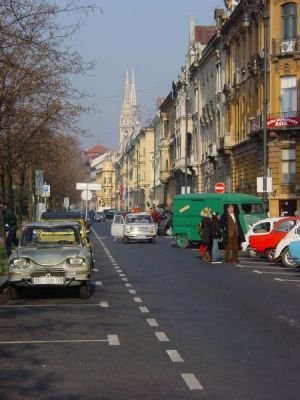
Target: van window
{"points": [[264, 227], [250, 208]]}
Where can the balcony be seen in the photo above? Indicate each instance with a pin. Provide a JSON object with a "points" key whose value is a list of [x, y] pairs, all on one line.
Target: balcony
{"points": [[285, 120], [285, 46]]}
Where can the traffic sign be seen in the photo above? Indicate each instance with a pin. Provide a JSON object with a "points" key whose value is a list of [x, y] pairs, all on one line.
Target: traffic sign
{"points": [[46, 191], [220, 187], [86, 195], [88, 186]]}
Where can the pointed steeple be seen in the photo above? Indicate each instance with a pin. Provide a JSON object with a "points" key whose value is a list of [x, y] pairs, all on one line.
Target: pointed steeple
{"points": [[127, 102], [132, 91]]}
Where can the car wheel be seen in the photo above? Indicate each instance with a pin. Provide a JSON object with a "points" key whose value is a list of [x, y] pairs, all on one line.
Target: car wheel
{"points": [[287, 260], [13, 292], [270, 253], [182, 241], [84, 291], [125, 240]]}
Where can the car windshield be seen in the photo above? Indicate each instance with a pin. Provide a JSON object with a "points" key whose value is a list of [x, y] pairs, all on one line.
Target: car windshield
{"points": [[36, 236], [138, 219]]}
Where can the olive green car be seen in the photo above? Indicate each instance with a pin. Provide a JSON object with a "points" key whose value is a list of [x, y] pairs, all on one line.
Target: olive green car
{"points": [[50, 254]]}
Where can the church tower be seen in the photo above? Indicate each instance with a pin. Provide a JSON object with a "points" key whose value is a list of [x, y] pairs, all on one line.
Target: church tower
{"points": [[129, 119]]}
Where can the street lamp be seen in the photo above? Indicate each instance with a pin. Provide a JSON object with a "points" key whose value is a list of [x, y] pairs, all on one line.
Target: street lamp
{"points": [[261, 7]]}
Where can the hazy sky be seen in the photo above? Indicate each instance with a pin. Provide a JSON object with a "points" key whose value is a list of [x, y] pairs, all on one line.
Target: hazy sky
{"points": [[150, 36]]}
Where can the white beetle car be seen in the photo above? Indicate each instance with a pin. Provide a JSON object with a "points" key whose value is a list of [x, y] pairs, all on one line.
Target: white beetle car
{"points": [[282, 249], [259, 228]]}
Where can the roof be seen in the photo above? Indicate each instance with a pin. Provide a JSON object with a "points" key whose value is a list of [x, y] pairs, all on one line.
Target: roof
{"points": [[204, 33], [63, 215], [98, 149], [51, 224], [226, 197]]}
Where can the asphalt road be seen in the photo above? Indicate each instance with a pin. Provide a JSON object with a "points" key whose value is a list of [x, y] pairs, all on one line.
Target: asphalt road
{"points": [[160, 324]]}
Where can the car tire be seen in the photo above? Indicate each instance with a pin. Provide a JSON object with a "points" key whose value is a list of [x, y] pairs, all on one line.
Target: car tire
{"points": [[125, 240], [85, 291], [270, 255], [13, 292], [182, 241], [287, 260]]}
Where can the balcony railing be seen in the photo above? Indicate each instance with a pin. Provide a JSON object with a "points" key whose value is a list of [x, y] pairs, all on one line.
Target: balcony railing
{"points": [[286, 46], [284, 120]]}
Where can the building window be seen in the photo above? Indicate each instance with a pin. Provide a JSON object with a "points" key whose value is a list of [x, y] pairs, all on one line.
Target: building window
{"points": [[289, 21], [288, 166], [288, 94]]}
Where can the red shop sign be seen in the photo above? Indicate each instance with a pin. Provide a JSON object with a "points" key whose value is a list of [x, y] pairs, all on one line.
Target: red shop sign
{"points": [[283, 122]]}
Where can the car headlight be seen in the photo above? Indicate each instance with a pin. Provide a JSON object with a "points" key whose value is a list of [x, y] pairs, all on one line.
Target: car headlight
{"points": [[76, 261], [152, 230], [19, 262]]}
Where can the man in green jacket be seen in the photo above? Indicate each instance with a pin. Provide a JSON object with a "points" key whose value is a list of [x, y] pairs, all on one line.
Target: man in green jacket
{"points": [[10, 226]]}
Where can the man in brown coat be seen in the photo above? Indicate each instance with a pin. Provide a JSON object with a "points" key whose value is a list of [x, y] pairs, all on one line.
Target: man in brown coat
{"points": [[233, 233]]}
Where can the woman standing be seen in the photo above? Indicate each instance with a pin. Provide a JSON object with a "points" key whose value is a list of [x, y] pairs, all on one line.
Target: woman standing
{"points": [[206, 236]]}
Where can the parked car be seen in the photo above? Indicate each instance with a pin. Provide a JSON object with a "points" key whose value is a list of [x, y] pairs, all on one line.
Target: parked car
{"points": [[109, 214], [266, 243], [258, 228], [137, 226], [50, 254], [99, 216], [294, 250], [282, 251]]}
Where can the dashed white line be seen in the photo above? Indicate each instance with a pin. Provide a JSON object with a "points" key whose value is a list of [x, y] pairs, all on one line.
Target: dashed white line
{"points": [[162, 337], [174, 356], [144, 310], [95, 269], [121, 274], [137, 300], [275, 273], [125, 279], [104, 304], [192, 382], [113, 340], [98, 283], [132, 291], [152, 322], [128, 284], [286, 280]]}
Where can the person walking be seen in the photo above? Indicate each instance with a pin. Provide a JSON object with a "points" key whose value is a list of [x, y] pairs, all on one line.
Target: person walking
{"points": [[10, 227], [206, 233], [216, 234], [233, 234]]}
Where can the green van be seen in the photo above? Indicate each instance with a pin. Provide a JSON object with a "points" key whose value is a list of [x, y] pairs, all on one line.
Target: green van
{"points": [[187, 208]]}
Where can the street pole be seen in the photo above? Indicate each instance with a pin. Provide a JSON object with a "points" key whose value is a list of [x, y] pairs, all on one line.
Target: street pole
{"points": [[265, 102], [186, 138]]}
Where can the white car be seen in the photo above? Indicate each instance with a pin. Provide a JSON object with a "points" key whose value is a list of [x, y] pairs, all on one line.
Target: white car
{"points": [[259, 228], [282, 249], [135, 226]]}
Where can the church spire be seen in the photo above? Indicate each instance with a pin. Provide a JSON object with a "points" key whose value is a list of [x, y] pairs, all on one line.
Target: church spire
{"points": [[132, 90], [127, 94]]}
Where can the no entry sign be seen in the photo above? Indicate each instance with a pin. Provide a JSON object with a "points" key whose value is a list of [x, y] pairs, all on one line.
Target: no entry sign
{"points": [[220, 187]]}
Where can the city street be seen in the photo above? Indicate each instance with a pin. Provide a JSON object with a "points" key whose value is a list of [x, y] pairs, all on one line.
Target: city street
{"points": [[160, 324]]}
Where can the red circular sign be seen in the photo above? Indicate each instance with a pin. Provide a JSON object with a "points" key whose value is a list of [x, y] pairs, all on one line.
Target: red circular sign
{"points": [[219, 187]]}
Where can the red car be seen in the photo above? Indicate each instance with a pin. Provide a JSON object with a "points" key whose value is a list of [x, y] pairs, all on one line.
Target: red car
{"points": [[266, 243]]}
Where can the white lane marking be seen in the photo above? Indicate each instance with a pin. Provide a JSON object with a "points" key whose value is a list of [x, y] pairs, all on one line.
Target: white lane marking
{"points": [[113, 340], [98, 283], [128, 284], [95, 269], [61, 341], [152, 322], [144, 310], [261, 267], [174, 356], [275, 273], [121, 274], [192, 382], [47, 305], [125, 279], [104, 304], [132, 291], [137, 300], [162, 337], [286, 280]]}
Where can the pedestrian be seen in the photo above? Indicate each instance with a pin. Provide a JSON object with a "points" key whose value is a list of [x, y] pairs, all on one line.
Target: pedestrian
{"points": [[156, 217], [233, 234], [10, 227], [216, 234], [206, 233]]}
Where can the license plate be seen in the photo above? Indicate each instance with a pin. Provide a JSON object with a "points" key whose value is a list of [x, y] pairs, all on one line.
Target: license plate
{"points": [[48, 280], [140, 237]]}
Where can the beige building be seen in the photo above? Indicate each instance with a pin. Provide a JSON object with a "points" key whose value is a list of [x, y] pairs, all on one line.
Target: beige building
{"points": [[105, 175]]}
